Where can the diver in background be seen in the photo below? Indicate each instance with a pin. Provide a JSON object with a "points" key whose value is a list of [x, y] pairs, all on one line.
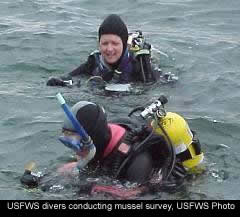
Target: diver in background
{"points": [[115, 61]]}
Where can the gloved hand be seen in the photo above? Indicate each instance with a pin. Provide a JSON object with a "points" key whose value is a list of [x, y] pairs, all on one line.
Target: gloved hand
{"points": [[55, 82], [29, 179]]}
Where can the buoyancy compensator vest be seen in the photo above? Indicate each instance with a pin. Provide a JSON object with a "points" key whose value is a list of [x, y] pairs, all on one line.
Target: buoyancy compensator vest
{"points": [[138, 50], [138, 154]]}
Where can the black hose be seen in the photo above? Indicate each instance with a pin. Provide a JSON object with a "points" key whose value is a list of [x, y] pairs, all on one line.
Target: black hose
{"points": [[140, 108], [173, 154], [142, 70], [135, 151]]}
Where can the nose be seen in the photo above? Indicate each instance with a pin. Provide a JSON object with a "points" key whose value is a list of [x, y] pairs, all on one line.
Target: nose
{"points": [[109, 47]]}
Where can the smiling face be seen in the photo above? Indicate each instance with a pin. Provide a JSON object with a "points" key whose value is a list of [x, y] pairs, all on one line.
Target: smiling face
{"points": [[111, 48]]}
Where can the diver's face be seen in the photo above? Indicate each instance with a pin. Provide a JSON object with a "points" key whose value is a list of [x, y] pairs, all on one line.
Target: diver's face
{"points": [[111, 48]]}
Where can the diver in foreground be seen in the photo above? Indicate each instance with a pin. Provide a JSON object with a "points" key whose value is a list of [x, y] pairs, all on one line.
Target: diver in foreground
{"points": [[156, 149]]}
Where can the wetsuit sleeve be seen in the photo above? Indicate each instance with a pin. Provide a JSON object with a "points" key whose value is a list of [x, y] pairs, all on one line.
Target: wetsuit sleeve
{"points": [[150, 73], [85, 68], [155, 73], [136, 74]]}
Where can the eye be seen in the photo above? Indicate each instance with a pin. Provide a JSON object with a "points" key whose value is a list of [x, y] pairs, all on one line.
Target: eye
{"points": [[105, 43], [115, 43]]}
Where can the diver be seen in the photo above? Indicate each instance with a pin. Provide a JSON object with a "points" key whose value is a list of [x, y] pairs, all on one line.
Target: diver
{"points": [[122, 57], [156, 149]]}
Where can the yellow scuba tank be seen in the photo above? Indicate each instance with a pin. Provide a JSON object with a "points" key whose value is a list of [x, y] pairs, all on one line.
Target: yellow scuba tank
{"points": [[181, 137], [176, 132]]}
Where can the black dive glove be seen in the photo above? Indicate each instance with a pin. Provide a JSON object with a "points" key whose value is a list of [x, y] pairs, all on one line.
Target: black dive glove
{"points": [[29, 179]]}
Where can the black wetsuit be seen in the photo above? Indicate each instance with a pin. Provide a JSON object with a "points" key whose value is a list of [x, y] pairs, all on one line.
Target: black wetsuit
{"points": [[135, 74]]}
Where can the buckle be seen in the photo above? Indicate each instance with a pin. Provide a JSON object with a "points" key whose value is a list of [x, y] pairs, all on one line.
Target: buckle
{"points": [[124, 148]]}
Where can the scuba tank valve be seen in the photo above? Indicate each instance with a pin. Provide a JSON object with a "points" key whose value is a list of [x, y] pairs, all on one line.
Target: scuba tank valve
{"points": [[156, 107]]}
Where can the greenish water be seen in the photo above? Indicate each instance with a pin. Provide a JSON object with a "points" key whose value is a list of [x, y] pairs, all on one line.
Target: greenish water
{"points": [[196, 39]]}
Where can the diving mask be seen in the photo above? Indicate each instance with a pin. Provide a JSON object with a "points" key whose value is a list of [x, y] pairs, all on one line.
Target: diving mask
{"points": [[71, 140]]}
